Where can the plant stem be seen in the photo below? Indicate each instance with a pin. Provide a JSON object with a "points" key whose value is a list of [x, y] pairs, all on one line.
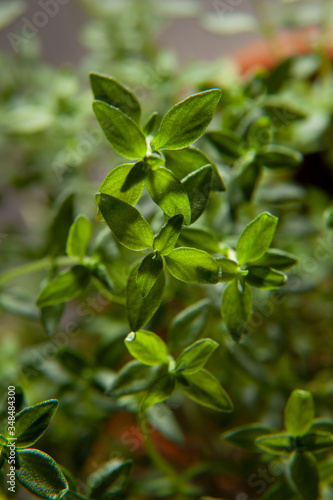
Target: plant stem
{"points": [[36, 266]]}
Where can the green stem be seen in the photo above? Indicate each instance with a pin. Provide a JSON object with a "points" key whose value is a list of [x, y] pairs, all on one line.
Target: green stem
{"points": [[33, 267]]}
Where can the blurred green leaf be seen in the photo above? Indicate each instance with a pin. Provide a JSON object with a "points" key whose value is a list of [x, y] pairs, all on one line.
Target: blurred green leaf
{"points": [[299, 413], [65, 286], [195, 356]]}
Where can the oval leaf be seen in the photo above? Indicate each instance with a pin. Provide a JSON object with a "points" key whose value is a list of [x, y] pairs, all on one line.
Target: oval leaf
{"points": [[79, 236], [299, 413], [195, 356], [148, 273], [192, 266], [256, 238], [166, 239], [66, 286], [147, 347], [236, 308], [197, 186], [304, 475]]}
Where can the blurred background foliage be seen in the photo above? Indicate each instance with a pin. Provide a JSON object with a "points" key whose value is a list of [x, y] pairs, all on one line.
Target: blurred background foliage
{"points": [[53, 159]]}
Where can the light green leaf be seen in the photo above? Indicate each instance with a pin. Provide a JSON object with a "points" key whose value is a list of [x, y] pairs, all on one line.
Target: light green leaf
{"points": [[197, 186], [115, 184], [40, 475], [192, 266], [66, 286], [229, 269], [195, 356], [126, 222], [276, 156], [205, 389], [32, 422], [109, 479], [161, 390], [278, 259], [148, 273], [151, 123], [245, 436], [256, 238], [166, 239], [147, 347], [299, 413], [120, 130], [236, 308], [79, 236], [276, 444], [140, 310], [189, 324], [107, 89], [304, 475], [265, 277], [168, 193], [260, 133], [132, 378], [199, 237], [187, 120]]}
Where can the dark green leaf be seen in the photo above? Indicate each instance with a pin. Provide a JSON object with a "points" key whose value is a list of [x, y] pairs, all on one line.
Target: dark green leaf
{"points": [[228, 144], [100, 273], [304, 475], [187, 120], [166, 239], [236, 308], [78, 237], [151, 123], [66, 286], [246, 435], [322, 425], [112, 477], [265, 277], [168, 193], [328, 215], [256, 238], [273, 156], [126, 222], [120, 130], [140, 310], [189, 324], [184, 161], [299, 413], [147, 347], [40, 475], [161, 390], [132, 378], [192, 266], [205, 389], [195, 356], [112, 92], [228, 267], [278, 259], [200, 238], [32, 422], [148, 273], [50, 317], [276, 444], [316, 442], [58, 230], [197, 186]]}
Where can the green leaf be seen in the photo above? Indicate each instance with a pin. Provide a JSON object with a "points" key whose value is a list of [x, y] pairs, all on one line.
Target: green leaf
{"points": [[101, 276], [322, 425], [79, 236], [328, 216], [236, 308], [304, 475], [120, 130], [189, 324], [32, 422], [197, 186], [166, 239], [187, 120], [59, 227], [229, 269], [135, 178], [139, 309], [273, 156], [276, 444], [265, 277], [316, 442], [161, 390], [126, 222], [260, 133], [116, 181], [245, 436], [151, 123], [40, 475], [132, 378], [205, 389], [168, 193], [195, 356], [299, 413], [184, 161], [107, 89], [110, 478], [66, 286], [228, 144], [147, 347], [278, 259], [192, 266], [50, 317], [200, 238], [148, 273], [256, 238]]}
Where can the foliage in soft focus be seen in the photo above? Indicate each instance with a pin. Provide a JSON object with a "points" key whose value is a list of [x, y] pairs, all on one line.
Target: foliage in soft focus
{"points": [[166, 263]]}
